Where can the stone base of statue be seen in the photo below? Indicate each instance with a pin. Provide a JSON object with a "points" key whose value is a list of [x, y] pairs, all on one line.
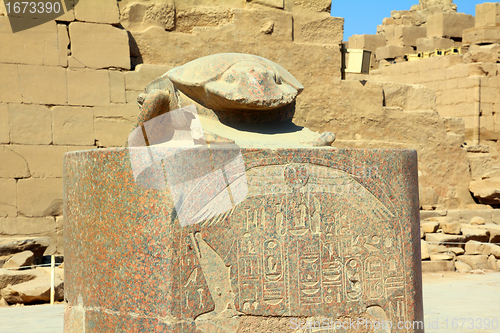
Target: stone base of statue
{"points": [[330, 235]]}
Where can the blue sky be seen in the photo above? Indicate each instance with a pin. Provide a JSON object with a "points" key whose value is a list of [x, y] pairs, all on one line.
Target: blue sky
{"points": [[363, 16]]}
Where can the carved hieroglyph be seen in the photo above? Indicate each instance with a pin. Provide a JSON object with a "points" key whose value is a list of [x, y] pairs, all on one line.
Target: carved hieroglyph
{"points": [[289, 256], [323, 233]]}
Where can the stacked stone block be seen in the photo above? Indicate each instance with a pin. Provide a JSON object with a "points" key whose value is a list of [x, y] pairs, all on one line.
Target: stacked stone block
{"points": [[487, 25], [64, 90], [464, 90], [460, 240]]}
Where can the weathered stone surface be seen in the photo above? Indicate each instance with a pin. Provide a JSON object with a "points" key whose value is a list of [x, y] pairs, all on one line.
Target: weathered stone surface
{"points": [[19, 260], [4, 124], [444, 238], [479, 261], [452, 228], [127, 112], [477, 220], [437, 266], [456, 250], [30, 124], [481, 235], [73, 126], [143, 75], [493, 262], [82, 87], [441, 256], [487, 14], [97, 11], [111, 132], [34, 46], [10, 93], [317, 29], [3, 303], [482, 35], [466, 216], [409, 97], [43, 161], [431, 44], [140, 16], [8, 197], [274, 26], [474, 247], [318, 5], [487, 191], [491, 249], [26, 226], [429, 226], [43, 85], [448, 25], [424, 250], [36, 290], [391, 51], [13, 277], [117, 87], [9, 246], [366, 42], [63, 40], [12, 165], [462, 266], [99, 45], [39, 196], [300, 245]]}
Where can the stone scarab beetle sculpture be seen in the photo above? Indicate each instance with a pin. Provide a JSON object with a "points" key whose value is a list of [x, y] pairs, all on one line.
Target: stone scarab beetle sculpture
{"points": [[236, 89]]}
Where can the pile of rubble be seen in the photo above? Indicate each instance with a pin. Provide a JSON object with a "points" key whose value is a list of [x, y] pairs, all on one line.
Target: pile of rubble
{"points": [[448, 245], [23, 279]]}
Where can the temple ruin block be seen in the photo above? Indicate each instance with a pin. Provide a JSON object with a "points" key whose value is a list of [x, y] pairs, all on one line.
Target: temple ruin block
{"points": [[431, 44], [12, 165], [10, 93], [81, 87], [488, 15], [117, 87], [26, 225], [481, 35], [39, 197], [72, 126], [448, 25], [43, 161], [35, 46], [30, 124], [322, 29], [391, 51], [111, 132], [99, 45], [366, 42], [4, 124], [8, 198], [34, 87], [97, 11]]}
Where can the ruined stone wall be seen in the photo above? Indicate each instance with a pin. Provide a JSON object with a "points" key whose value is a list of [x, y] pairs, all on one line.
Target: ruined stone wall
{"points": [[465, 90], [63, 89], [71, 84]]}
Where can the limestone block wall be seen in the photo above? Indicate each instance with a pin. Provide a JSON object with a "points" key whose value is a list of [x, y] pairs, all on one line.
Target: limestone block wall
{"points": [[465, 90], [65, 85], [71, 84]]}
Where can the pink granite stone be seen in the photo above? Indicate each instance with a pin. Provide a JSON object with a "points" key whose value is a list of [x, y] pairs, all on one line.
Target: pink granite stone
{"points": [[322, 232]]}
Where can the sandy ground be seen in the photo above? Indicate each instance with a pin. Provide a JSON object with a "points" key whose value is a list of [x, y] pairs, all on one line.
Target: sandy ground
{"points": [[453, 302]]}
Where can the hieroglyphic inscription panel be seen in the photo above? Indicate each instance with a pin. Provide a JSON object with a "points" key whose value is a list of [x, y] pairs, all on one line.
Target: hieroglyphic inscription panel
{"points": [[310, 240]]}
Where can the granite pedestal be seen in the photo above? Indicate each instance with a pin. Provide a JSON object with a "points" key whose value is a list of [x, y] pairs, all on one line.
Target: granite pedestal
{"points": [[323, 233]]}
